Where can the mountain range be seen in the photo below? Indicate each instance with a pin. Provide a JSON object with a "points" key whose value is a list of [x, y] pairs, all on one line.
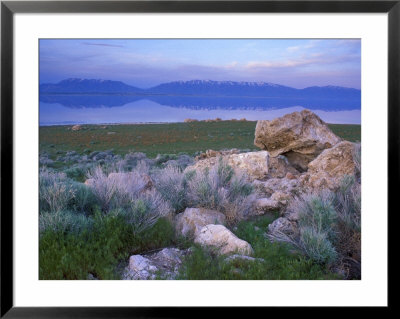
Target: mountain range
{"points": [[201, 88]]}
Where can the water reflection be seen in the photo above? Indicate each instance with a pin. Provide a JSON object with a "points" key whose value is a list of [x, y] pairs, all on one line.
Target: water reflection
{"points": [[71, 109], [202, 102]]}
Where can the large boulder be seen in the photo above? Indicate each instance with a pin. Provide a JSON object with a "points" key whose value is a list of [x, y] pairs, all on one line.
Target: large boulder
{"points": [[219, 237], [192, 220], [330, 167], [300, 136]]}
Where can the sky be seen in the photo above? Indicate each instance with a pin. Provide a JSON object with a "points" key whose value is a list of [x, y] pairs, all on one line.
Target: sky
{"points": [[145, 63]]}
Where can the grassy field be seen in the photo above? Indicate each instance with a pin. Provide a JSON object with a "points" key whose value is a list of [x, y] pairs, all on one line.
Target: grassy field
{"points": [[153, 139]]}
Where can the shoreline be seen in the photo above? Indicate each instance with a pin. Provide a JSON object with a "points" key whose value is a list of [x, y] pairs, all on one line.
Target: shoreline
{"points": [[150, 123]]}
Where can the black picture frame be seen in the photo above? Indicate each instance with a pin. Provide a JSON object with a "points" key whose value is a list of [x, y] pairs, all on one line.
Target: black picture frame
{"points": [[9, 8]]}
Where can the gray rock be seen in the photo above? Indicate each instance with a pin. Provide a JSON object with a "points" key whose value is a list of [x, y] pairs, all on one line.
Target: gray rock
{"points": [[164, 263]]}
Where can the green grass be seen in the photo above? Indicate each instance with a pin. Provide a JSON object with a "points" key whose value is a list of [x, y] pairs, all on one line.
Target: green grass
{"points": [[349, 132], [98, 249], [280, 261], [103, 248], [154, 139]]}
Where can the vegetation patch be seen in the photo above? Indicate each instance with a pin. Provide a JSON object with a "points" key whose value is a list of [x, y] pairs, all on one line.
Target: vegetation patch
{"points": [[274, 261], [169, 138]]}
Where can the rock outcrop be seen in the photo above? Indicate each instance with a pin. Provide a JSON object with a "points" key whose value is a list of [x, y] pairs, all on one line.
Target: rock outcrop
{"points": [[283, 185], [300, 136], [254, 164], [192, 220], [223, 240], [329, 168]]}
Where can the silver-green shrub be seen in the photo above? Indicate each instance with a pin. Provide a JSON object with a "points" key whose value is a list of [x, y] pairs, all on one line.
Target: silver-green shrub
{"points": [[102, 187], [144, 211], [347, 202], [329, 223], [117, 189], [171, 183], [84, 200], [55, 191], [317, 211], [220, 188], [316, 245], [63, 221]]}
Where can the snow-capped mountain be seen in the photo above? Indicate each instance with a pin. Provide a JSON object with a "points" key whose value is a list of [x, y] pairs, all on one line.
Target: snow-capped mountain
{"points": [[202, 88], [222, 88]]}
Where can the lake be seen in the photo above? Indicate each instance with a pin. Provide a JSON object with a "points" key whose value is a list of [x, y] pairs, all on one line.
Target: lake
{"points": [[98, 109]]}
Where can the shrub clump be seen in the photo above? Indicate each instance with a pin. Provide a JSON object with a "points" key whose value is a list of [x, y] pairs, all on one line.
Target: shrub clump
{"points": [[220, 188], [63, 221], [171, 182], [330, 227], [143, 212], [55, 191]]}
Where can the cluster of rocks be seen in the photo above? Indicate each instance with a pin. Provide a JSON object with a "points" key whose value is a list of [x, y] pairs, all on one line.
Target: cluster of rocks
{"points": [[299, 154], [206, 228], [320, 157]]}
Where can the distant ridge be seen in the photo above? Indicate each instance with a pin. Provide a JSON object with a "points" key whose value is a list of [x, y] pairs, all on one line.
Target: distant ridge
{"points": [[201, 88], [87, 86]]}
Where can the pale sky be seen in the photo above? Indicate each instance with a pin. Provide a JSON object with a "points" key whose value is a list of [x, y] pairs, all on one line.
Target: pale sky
{"points": [[145, 63]]}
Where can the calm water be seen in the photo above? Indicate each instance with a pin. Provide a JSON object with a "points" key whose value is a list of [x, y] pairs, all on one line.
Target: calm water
{"points": [[96, 109]]}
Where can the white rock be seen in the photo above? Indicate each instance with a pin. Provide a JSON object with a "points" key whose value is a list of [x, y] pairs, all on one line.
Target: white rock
{"points": [[254, 164], [193, 219], [224, 240]]}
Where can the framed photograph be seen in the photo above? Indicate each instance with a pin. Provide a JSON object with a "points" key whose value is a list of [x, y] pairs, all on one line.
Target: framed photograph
{"points": [[163, 155]]}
